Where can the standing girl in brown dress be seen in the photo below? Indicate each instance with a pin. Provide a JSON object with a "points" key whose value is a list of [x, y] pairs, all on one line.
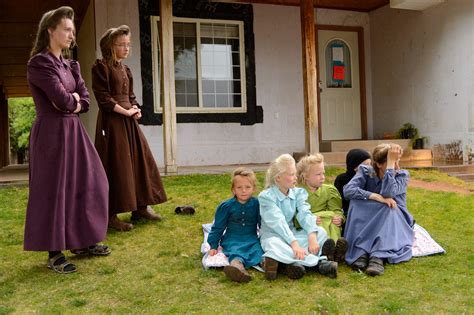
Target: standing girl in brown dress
{"points": [[134, 178]]}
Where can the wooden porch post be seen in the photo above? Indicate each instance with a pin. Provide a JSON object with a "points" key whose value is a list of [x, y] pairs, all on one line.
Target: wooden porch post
{"points": [[309, 76], [169, 101], [4, 134]]}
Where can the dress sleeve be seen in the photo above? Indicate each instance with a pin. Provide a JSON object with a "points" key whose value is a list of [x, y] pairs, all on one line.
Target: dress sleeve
{"points": [[394, 183], [335, 200], [80, 86], [354, 189], [131, 95], [272, 215], [101, 87], [44, 74], [304, 215], [220, 224]]}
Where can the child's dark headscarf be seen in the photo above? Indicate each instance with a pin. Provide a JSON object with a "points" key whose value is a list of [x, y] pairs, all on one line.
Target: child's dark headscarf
{"points": [[353, 159]]}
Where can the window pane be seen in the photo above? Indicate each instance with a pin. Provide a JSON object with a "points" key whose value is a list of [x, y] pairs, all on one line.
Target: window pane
{"points": [[180, 99], [208, 86], [185, 65], [222, 87], [220, 64], [222, 100], [209, 100], [338, 65]]}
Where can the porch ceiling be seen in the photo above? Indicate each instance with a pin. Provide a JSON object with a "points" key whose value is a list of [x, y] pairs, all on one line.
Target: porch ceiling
{"points": [[350, 5], [19, 21], [18, 24]]}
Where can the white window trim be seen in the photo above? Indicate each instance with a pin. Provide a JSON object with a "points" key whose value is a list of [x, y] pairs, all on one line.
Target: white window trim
{"points": [[156, 64]]}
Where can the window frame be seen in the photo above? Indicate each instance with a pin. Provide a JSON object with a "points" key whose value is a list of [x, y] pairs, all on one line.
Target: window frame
{"points": [[157, 73]]}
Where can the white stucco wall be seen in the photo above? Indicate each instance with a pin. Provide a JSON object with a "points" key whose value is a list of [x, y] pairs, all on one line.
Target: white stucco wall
{"points": [[423, 70]]}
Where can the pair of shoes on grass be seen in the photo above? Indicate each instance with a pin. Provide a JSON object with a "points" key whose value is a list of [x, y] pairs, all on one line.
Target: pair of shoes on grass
{"points": [[116, 224], [372, 266], [272, 267], [185, 210], [59, 264], [335, 251], [146, 213]]}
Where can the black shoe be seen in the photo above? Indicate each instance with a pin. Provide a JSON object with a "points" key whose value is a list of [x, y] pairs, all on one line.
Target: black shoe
{"points": [[327, 268], [271, 268], [293, 271], [329, 247], [340, 251], [375, 267], [361, 262]]}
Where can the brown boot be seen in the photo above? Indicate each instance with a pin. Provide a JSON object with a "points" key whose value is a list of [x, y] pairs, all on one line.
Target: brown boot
{"points": [[271, 268], [146, 213], [116, 224], [236, 271]]}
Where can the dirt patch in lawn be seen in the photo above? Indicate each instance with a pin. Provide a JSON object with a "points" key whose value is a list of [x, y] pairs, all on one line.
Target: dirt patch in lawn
{"points": [[439, 186]]}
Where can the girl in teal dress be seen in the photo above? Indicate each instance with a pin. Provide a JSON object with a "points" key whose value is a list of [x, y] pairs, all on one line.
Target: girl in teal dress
{"points": [[235, 227], [325, 202]]}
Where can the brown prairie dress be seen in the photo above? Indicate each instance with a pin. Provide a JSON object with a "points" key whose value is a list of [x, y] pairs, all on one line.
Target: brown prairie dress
{"points": [[133, 175]]}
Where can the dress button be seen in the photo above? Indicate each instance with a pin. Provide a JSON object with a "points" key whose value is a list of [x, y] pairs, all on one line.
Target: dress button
{"points": [[243, 224]]}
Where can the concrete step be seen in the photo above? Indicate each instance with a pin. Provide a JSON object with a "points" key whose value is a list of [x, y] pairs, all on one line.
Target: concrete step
{"points": [[462, 176], [369, 145], [465, 168]]}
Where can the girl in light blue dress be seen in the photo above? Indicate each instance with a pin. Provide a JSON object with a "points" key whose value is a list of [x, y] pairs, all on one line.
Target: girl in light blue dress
{"points": [[288, 250], [235, 227]]}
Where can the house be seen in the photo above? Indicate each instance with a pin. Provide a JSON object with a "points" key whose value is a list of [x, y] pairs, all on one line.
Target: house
{"points": [[254, 79]]}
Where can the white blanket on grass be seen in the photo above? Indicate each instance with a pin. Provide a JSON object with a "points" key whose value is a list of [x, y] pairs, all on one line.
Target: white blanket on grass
{"points": [[423, 245]]}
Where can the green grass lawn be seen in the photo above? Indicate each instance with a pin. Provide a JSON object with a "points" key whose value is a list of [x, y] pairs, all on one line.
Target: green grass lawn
{"points": [[156, 268]]}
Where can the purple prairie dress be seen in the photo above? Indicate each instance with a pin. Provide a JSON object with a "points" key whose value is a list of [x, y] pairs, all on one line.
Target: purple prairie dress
{"points": [[373, 227], [68, 188]]}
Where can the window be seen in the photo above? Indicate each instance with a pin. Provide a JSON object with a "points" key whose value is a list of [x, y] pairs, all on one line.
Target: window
{"points": [[208, 65], [338, 65]]}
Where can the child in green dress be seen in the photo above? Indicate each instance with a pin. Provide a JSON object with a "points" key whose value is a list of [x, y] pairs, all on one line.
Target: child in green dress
{"points": [[326, 203]]}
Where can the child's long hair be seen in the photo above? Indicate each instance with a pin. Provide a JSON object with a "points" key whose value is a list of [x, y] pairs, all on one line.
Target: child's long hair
{"points": [[277, 167], [245, 172], [107, 42], [51, 19], [379, 155], [304, 165]]}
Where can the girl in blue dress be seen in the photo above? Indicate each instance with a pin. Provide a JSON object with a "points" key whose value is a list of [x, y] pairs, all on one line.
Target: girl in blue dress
{"points": [[379, 227], [235, 227], [289, 250]]}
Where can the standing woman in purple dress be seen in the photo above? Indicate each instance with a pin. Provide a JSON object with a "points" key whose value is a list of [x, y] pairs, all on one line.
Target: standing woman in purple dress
{"points": [[68, 189], [134, 178]]}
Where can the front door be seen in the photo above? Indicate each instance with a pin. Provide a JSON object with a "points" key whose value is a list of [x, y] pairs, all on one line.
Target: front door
{"points": [[339, 85]]}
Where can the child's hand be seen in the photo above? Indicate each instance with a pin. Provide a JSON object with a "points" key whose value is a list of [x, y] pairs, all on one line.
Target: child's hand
{"points": [[299, 251], [313, 245], [388, 201], [212, 252], [132, 111], [337, 220], [318, 220]]}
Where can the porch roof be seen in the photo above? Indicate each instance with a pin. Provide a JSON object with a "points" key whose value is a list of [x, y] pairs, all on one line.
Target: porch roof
{"points": [[19, 21]]}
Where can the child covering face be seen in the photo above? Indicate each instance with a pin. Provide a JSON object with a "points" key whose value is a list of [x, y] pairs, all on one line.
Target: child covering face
{"points": [[235, 227], [379, 226]]}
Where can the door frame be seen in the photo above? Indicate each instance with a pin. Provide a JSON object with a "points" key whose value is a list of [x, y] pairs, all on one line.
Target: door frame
{"points": [[363, 101]]}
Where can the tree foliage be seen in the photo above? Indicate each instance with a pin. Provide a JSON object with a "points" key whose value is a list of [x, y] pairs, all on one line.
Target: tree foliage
{"points": [[21, 116]]}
